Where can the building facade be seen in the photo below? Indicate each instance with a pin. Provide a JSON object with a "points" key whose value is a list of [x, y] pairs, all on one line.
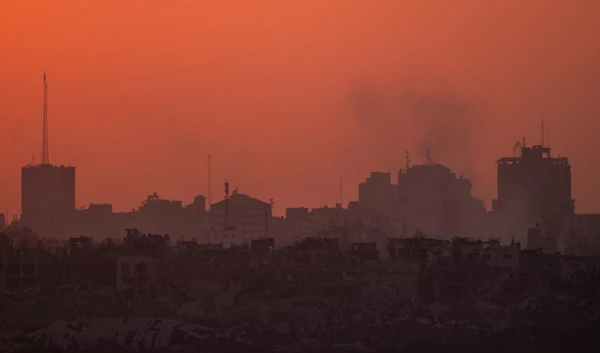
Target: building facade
{"points": [[434, 200], [239, 219], [534, 188], [48, 198]]}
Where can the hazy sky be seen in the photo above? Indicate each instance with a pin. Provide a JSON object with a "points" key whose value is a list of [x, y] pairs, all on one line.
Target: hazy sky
{"points": [[289, 96]]}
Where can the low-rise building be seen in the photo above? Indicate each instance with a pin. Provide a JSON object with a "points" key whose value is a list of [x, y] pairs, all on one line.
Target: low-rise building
{"points": [[503, 256], [137, 276]]}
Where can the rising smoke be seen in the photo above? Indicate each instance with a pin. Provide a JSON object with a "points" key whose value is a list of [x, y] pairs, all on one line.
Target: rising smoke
{"points": [[391, 118]]}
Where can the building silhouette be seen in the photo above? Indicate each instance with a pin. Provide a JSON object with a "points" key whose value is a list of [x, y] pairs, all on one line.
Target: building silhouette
{"points": [[239, 219], [47, 198], [436, 201], [377, 194], [534, 188], [584, 235], [155, 215], [429, 199]]}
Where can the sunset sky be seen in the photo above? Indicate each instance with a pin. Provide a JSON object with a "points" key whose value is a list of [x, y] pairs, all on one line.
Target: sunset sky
{"points": [[289, 96]]}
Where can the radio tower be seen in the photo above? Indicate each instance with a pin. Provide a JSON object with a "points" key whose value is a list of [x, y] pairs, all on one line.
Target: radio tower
{"points": [[209, 183], [341, 193], [45, 160]]}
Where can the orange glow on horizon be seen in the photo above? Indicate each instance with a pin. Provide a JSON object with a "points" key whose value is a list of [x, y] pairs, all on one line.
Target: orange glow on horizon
{"points": [[140, 92]]}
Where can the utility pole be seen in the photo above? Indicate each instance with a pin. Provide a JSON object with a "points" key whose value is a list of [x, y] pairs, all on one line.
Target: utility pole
{"points": [[543, 133], [209, 183], [45, 159], [341, 193]]}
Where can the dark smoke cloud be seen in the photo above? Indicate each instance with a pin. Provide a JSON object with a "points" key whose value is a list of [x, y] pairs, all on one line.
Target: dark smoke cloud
{"points": [[445, 125], [391, 118]]}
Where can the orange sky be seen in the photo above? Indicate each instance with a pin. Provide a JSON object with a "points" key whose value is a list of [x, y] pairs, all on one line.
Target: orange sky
{"points": [[142, 91]]}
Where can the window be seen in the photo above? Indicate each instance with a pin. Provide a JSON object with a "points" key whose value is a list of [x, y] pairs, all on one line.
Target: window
{"points": [[507, 256], [125, 269]]}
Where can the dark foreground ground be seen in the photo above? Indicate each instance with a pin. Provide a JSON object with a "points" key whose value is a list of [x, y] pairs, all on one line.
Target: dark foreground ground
{"points": [[576, 341]]}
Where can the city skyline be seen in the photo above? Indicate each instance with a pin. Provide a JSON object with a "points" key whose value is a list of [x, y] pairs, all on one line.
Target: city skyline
{"points": [[286, 176], [342, 194], [217, 190]]}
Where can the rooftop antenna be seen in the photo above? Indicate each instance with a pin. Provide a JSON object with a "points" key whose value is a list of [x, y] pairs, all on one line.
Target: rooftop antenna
{"points": [[407, 160], [267, 220], [542, 137], [45, 159], [209, 183], [516, 148], [341, 193], [428, 155], [226, 205]]}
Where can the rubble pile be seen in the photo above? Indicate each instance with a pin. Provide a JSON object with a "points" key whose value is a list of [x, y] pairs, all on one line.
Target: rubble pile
{"points": [[308, 324], [131, 334], [309, 297]]}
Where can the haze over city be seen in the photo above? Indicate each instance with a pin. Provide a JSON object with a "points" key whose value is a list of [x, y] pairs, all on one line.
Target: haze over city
{"points": [[288, 97], [299, 176]]}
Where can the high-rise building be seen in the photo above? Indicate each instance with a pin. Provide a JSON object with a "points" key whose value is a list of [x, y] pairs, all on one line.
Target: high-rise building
{"points": [[377, 194], [47, 191], [534, 188], [47, 198], [434, 200]]}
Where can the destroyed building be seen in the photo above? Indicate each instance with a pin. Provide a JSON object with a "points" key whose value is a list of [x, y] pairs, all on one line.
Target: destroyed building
{"points": [[584, 235], [310, 288], [137, 276]]}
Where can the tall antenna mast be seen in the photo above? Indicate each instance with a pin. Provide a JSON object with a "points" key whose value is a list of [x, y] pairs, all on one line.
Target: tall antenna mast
{"points": [[267, 218], [45, 159], [226, 205], [209, 183], [407, 166]]}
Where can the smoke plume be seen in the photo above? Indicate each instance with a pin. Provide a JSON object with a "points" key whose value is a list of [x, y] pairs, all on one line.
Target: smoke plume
{"points": [[389, 119]]}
